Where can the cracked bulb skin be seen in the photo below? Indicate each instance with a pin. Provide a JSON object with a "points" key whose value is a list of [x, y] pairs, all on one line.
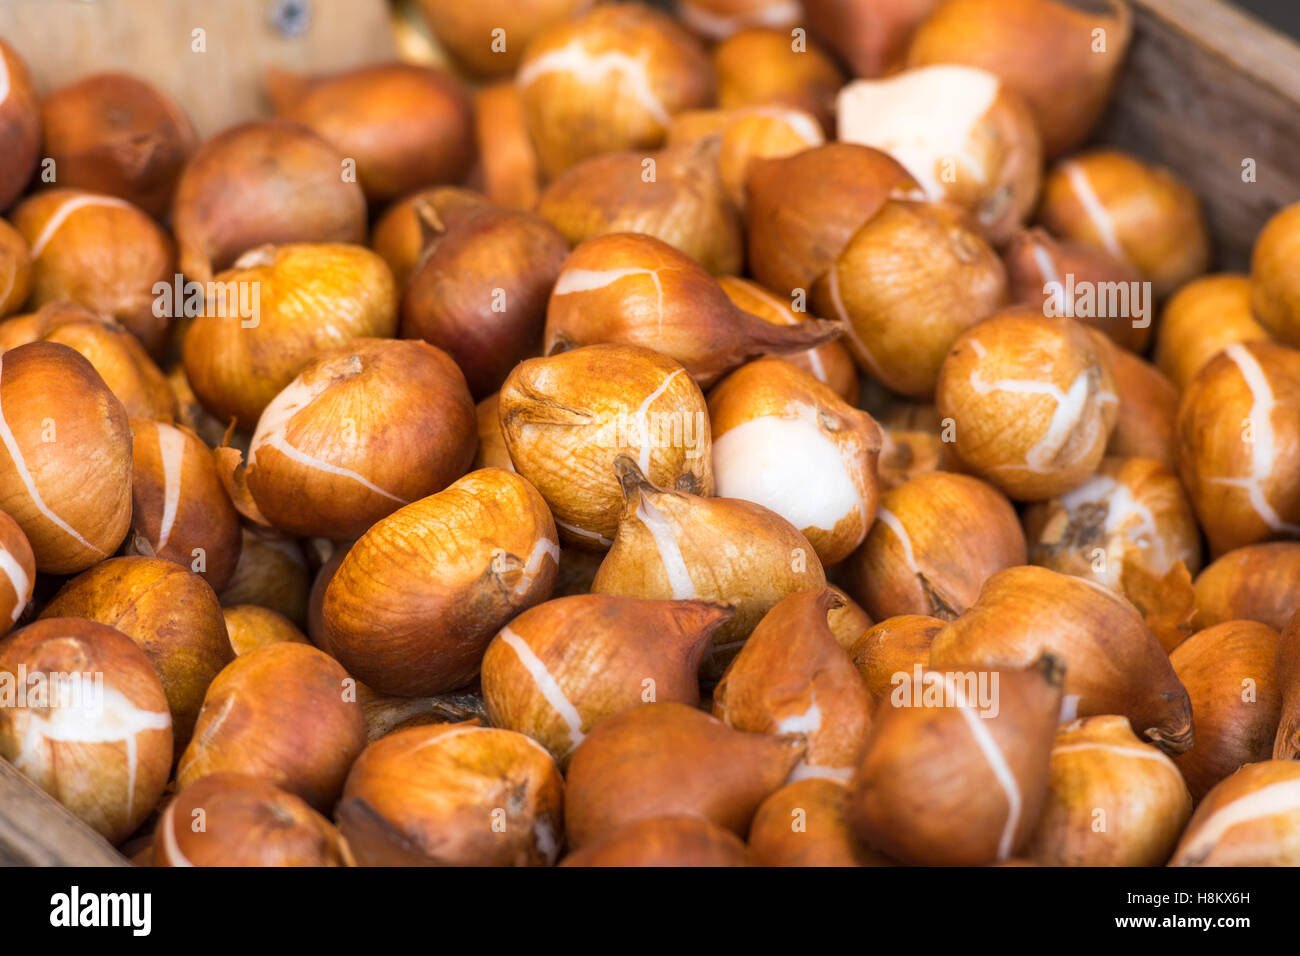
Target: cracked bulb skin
{"points": [[1250, 819], [17, 573], [786, 441], [1031, 400]]}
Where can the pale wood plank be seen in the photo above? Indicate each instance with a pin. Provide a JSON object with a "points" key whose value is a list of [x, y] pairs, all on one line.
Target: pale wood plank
{"points": [[36, 831]]}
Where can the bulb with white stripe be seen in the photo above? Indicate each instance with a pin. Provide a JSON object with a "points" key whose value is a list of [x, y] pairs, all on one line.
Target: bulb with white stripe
{"points": [[1250, 819], [17, 573]]}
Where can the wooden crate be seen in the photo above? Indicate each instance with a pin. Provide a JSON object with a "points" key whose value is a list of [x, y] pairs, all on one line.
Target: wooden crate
{"points": [[1205, 89]]}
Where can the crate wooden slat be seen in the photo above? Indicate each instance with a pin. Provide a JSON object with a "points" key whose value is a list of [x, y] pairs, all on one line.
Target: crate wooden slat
{"points": [[37, 831]]}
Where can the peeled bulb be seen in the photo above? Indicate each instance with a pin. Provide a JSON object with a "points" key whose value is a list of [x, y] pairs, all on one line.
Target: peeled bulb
{"points": [[1202, 319], [1032, 403], [672, 545], [569, 417], [956, 768], [1113, 800], [666, 759], [1236, 696], [785, 441], [892, 649], [792, 677], [557, 670], [20, 120], [416, 600], [454, 794], [635, 290], [1286, 746], [1250, 819], [609, 80], [262, 182], [676, 195], [1239, 445], [1114, 663], [907, 284], [805, 823], [965, 136], [936, 539], [663, 841], [1062, 59]]}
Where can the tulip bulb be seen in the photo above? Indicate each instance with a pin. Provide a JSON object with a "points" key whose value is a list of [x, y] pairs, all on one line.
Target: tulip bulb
{"points": [[778, 432], [271, 572], [871, 36], [15, 269], [249, 627], [634, 290], [896, 646], [569, 417], [1286, 745], [770, 65], [245, 822], [1146, 424], [937, 538], [17, 573], [1200, 320], [104, 752], [792, 677], [560, 668], [671, 545], [492, 452], [416, 600], [507, 157], [956, 769], [719, 19], [1274, 292], [454, 794], [805, 823], [666, 759], [1254, 583], [20, 121], [1112, 801], [1250, 819], [1032, 403], [1114, 663], [412, 222], [258, 183], [663, 841], [468, 31]]}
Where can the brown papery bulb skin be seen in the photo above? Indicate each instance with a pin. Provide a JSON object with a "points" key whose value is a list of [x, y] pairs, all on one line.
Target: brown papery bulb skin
{"points": [[792, 677], [609, 80], [263, 182], [20, 127], [65, 472], [115, 133], [1146, 426], [15, 269], [895, 646], [1286, 745], [179, 510], [101, 252], [117, 355], [569, 417], [365, 429], [286, 713], [304, 298], [1254, 583], [908, 283], [454, 794], [17, 573], [936, 539], [1136, 212], [1035, 260], [1113, 800], [410, 223], [508, 165], [404, 126], [1114, 663], [870, 36], [666, 759], [1250, 819], [848, 621], [663, 841], [981, 153], [560, 668], [1236, 695], [190, 412], [1200, 320], [171, 613], [761, 67], [1130, 516], [1045, 50], [956, 768], [1031, 401], [635, 290], [272, 572], [675, 195], [1274, 291], [245, 822], [672, 545], [481, 290], [468, 31], [249, 627], [413, 605], [804, 209], [1239, 445], [492, 452], [102, 750], [778, 432], [806, 823]]}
